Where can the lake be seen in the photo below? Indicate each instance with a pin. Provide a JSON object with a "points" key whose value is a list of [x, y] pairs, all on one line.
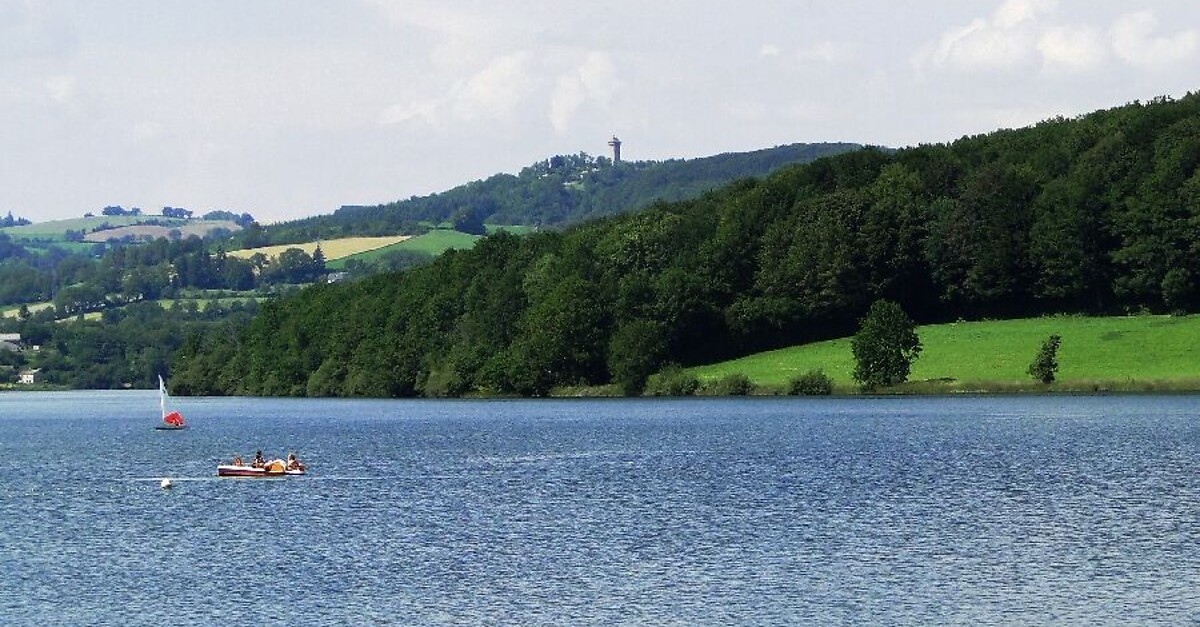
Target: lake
{"points": [[973, 510]]}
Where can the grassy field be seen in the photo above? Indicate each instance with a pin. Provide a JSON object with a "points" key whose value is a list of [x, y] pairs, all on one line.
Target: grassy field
{"points": [[515, 229], [439, 241], [1108, 353], [11, 311], [55, 229], [434, 242], [199, 228], [54, 232], [331, 248]]}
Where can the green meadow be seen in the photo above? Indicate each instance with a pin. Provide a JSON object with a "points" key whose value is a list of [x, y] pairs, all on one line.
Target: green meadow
{"points": [[433, 243], [1142, 352], [55, 229]]}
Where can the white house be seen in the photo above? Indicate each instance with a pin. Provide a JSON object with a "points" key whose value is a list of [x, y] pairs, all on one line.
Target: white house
{"points": [[29, 377]]}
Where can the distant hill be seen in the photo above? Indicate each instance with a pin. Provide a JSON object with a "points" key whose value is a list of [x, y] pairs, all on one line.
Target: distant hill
{"points": [[168, 228], [557, 192], [96, 229]]}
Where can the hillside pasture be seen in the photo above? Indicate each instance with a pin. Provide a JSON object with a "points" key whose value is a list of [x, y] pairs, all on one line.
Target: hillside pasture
{"points": [[56, 229], [13, 311], [332, 249], [114, 227], [433, 243], [199, 228], [1107, 352]]}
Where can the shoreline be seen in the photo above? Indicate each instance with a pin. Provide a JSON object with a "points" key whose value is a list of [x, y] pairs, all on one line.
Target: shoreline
{"points": [[840, 390]]}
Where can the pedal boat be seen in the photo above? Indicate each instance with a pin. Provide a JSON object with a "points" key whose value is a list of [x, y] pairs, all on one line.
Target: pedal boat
{"points": [[273, 468]]}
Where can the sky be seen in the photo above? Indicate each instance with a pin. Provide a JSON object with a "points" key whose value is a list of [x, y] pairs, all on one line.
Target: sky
{"points": [[291, 108]]}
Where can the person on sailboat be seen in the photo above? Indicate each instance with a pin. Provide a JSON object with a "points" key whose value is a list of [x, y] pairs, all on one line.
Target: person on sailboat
{"points": [[293, 463], [258, 462], [237, 460]]}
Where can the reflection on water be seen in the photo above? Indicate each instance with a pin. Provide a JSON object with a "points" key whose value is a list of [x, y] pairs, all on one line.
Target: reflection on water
{"points": [[750, 511]]}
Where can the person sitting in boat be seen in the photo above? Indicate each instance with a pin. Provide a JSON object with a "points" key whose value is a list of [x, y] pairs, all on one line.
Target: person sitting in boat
{"points": [[237, 460], [258, 462], [293, 463]]}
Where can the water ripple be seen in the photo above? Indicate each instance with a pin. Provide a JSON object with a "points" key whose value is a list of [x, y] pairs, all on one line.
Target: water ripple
{"points": [[786, 511]]}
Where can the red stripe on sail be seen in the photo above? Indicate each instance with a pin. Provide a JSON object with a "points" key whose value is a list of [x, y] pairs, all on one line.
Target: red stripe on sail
{"points": [[174, 419]]}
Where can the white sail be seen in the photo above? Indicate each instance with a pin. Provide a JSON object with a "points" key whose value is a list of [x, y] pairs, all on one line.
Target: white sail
{"points": [[162, 396]]}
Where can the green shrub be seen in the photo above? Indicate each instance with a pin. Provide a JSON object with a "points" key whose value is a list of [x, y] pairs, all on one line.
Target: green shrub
{"points": [[672, 381], [444, 382], [811, 383], [1045, 365], [735, 384]]}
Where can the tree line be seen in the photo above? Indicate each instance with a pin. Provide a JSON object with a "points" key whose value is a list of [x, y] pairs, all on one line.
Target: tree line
{"points": [[126, 347], [122, 274]]}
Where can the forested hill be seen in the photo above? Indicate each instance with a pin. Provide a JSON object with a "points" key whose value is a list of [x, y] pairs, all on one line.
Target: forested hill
{"points": [[556, 192], [1095, 214]]}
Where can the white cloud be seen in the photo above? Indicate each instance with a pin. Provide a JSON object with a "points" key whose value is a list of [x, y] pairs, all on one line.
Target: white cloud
{"points": [[824, 52], [1072, 48], [1024, 35], [560, 83], [769, 50], [60, 88], [494, 92], [1134, 42], [1013, 13], [1017, 35], [983, 45], [424, 112], [594, 80]]}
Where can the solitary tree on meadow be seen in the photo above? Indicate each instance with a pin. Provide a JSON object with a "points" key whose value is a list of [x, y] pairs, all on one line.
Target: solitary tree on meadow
{"points": [[885, 346], [1045, 365]]}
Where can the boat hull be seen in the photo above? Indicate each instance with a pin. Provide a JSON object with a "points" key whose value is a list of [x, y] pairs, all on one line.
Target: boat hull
{"points": [[240, 471], [170, 428], [229, 470]]}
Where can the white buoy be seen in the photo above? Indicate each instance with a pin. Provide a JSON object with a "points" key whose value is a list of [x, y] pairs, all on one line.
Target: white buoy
{"points": [[165, 484]]}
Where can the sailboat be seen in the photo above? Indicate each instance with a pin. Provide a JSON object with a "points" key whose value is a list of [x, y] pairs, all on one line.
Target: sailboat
{"points": [[170, 421]]}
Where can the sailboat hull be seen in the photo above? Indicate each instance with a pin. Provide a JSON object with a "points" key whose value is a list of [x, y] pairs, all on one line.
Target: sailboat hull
{"points": [[172, 421]]}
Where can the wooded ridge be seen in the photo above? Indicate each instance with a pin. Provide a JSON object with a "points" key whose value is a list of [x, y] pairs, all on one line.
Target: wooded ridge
{"points": [[1098, 214]]}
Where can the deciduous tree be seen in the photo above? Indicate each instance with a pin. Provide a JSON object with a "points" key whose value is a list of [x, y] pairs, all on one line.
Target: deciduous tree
{"points": [[885, 346]]}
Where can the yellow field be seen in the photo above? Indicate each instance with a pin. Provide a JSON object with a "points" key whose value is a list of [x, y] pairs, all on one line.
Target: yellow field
{"points": [[332, 249], [13, 311]]}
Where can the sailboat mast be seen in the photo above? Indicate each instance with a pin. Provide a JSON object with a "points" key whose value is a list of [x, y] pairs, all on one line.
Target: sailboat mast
{"points": [[162, 396]]}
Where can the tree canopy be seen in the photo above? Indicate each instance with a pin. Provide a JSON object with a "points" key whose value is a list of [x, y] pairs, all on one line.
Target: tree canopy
{"points": [[885, 346]]}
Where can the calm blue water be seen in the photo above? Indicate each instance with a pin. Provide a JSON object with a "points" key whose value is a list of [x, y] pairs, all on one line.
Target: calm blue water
{"points": [[732, 512]]}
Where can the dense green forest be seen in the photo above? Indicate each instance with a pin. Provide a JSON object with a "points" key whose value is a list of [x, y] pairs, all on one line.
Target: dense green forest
{"points": [[124, 347], [76, 278], [121, 274], [557, 192], [113, 321], [1097, 214]]}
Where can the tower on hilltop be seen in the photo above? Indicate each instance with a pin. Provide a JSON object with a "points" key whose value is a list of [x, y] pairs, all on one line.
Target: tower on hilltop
{"points": [[616, 146]]}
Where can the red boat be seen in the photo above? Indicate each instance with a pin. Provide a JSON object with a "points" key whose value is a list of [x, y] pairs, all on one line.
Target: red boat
{"points": [[171, 421]]}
